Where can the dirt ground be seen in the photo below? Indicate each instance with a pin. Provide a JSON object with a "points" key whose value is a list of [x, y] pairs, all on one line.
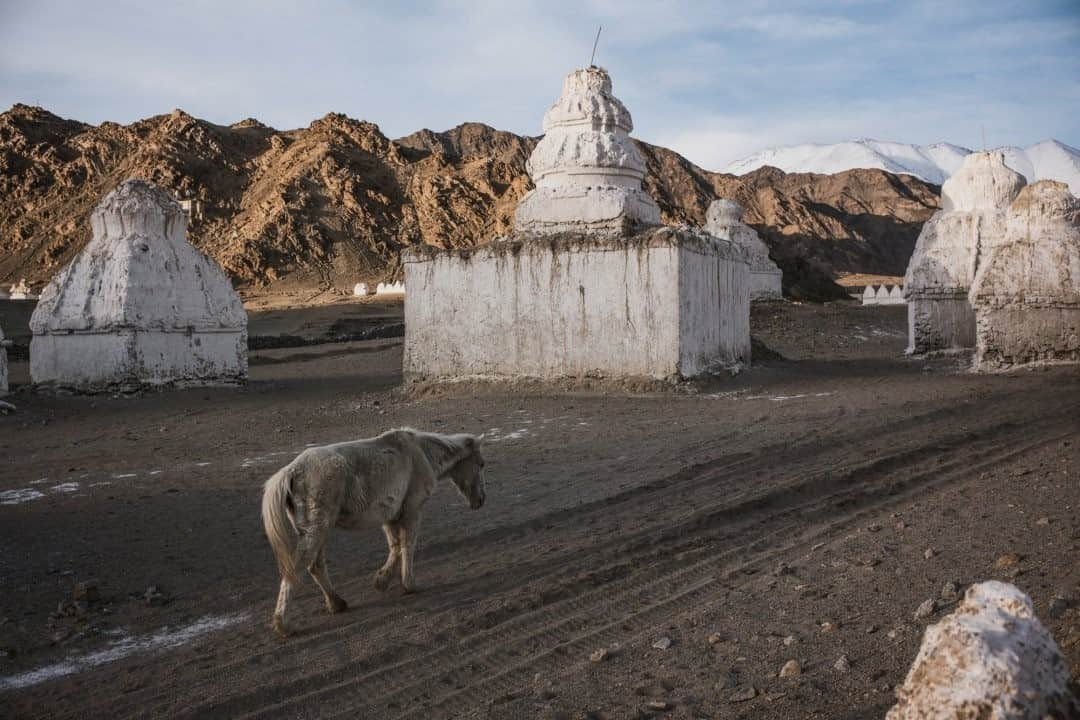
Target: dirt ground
{"points": [[699, 538]]}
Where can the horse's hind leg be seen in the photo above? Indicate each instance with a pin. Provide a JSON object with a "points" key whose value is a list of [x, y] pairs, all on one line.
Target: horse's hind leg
{"points": [[282, 605], [334, 602], [383, 574], [407, 533]]}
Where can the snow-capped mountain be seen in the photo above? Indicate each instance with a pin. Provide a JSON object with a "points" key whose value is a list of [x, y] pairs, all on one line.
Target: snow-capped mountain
{"points": [[1048, 160]]}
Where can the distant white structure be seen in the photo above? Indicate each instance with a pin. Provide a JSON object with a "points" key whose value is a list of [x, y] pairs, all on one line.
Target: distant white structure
{"points": [[724, 220], [21, 291], [883, 295], [192, 208], [3, 364], [360, 289], [1026, 294], [139, 305], [947, 254], [589, 283], [395, 288], [991, 658]]}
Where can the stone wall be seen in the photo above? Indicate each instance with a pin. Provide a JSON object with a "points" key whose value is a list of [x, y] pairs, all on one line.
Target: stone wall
{"points": [[661, 303]]}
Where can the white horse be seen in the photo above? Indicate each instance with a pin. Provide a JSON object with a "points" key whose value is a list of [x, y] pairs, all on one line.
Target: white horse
{"points": [[386, 479]]}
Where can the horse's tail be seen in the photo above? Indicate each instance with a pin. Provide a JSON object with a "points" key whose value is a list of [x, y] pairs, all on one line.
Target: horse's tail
{"points": [[277, 496]]}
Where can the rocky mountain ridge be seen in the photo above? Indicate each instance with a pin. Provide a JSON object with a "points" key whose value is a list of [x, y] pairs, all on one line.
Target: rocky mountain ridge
{"points": [[333, 203]]}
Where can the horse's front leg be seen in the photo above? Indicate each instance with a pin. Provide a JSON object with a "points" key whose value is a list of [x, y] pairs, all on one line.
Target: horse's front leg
{"points": [[383, 574], [408, 529]]}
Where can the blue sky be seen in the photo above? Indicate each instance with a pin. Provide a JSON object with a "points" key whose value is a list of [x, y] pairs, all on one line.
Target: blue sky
{"points": [[713, 80]]}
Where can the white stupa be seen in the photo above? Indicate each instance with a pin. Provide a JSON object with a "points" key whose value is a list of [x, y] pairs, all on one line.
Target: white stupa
{"points": [[589, 284], [1026, 294], [724, 220], [947, 253], [587, 170], [139, 305]]}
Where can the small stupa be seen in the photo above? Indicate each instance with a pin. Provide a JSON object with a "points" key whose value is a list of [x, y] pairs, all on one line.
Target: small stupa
{"points": [[947, 254], [589, 284], [724, 220], [139, 305], [1026, 294]]}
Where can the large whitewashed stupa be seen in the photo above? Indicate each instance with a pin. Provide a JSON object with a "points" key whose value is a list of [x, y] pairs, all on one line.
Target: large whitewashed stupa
{"points": [[1026, 294], [589, 283], [947, 254], [139, 305]]}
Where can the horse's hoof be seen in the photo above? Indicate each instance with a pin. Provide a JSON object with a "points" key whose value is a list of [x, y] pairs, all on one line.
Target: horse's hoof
{"points": [[337, 605], [408, 589], [382, 581], [279, 627]]}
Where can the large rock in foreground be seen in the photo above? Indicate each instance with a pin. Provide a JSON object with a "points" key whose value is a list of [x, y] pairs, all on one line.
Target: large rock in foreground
{"points": [[1026, 295], [139, 305], [991, 659]]}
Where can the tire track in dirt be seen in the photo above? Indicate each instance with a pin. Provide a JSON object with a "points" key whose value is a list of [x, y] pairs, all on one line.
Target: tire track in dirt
{"points": [[487, 651]]}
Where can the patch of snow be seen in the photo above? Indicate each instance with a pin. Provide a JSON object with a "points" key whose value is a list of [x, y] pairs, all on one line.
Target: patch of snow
{"points": [[68, 487], [122, 647], [1047, 160], [19, 496]]}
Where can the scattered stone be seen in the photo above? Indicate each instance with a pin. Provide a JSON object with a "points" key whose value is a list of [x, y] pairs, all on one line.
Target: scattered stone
{"points": [[818, 546], [926, 609], [791, 668], [599, 655], [1058, 605], [662, 644], [842, 664], [929, 553], [901, 525], [87, 591], [657, 705], [871, 629], [1043, 521], [790, 640], [874, 527], [950, 592], [748, 693], [828, 627], [715, 638], [990, 658], [155, 596]]}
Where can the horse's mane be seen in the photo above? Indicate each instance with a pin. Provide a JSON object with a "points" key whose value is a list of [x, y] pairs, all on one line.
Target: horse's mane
{"points": [[438, 449]]}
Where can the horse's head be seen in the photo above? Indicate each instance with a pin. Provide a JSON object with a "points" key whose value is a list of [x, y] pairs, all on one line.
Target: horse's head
{"points": [[468, 474]]}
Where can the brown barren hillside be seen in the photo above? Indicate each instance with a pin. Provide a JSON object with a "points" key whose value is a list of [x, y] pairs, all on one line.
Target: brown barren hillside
{"points": [[333, 203]]}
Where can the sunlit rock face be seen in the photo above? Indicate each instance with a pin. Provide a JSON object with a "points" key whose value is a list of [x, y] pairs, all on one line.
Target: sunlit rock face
{"points": [[1026, 294], [139, 305], [991, 658], [586, 168], [724, 220], [949, 249]]}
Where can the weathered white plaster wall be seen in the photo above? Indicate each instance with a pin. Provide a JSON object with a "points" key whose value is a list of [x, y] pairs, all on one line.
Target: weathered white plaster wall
{"points": [[724, 220], [3, 365], [991, 658], [663, 303], [1026, 294], [948, 252], [139, 305]]}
